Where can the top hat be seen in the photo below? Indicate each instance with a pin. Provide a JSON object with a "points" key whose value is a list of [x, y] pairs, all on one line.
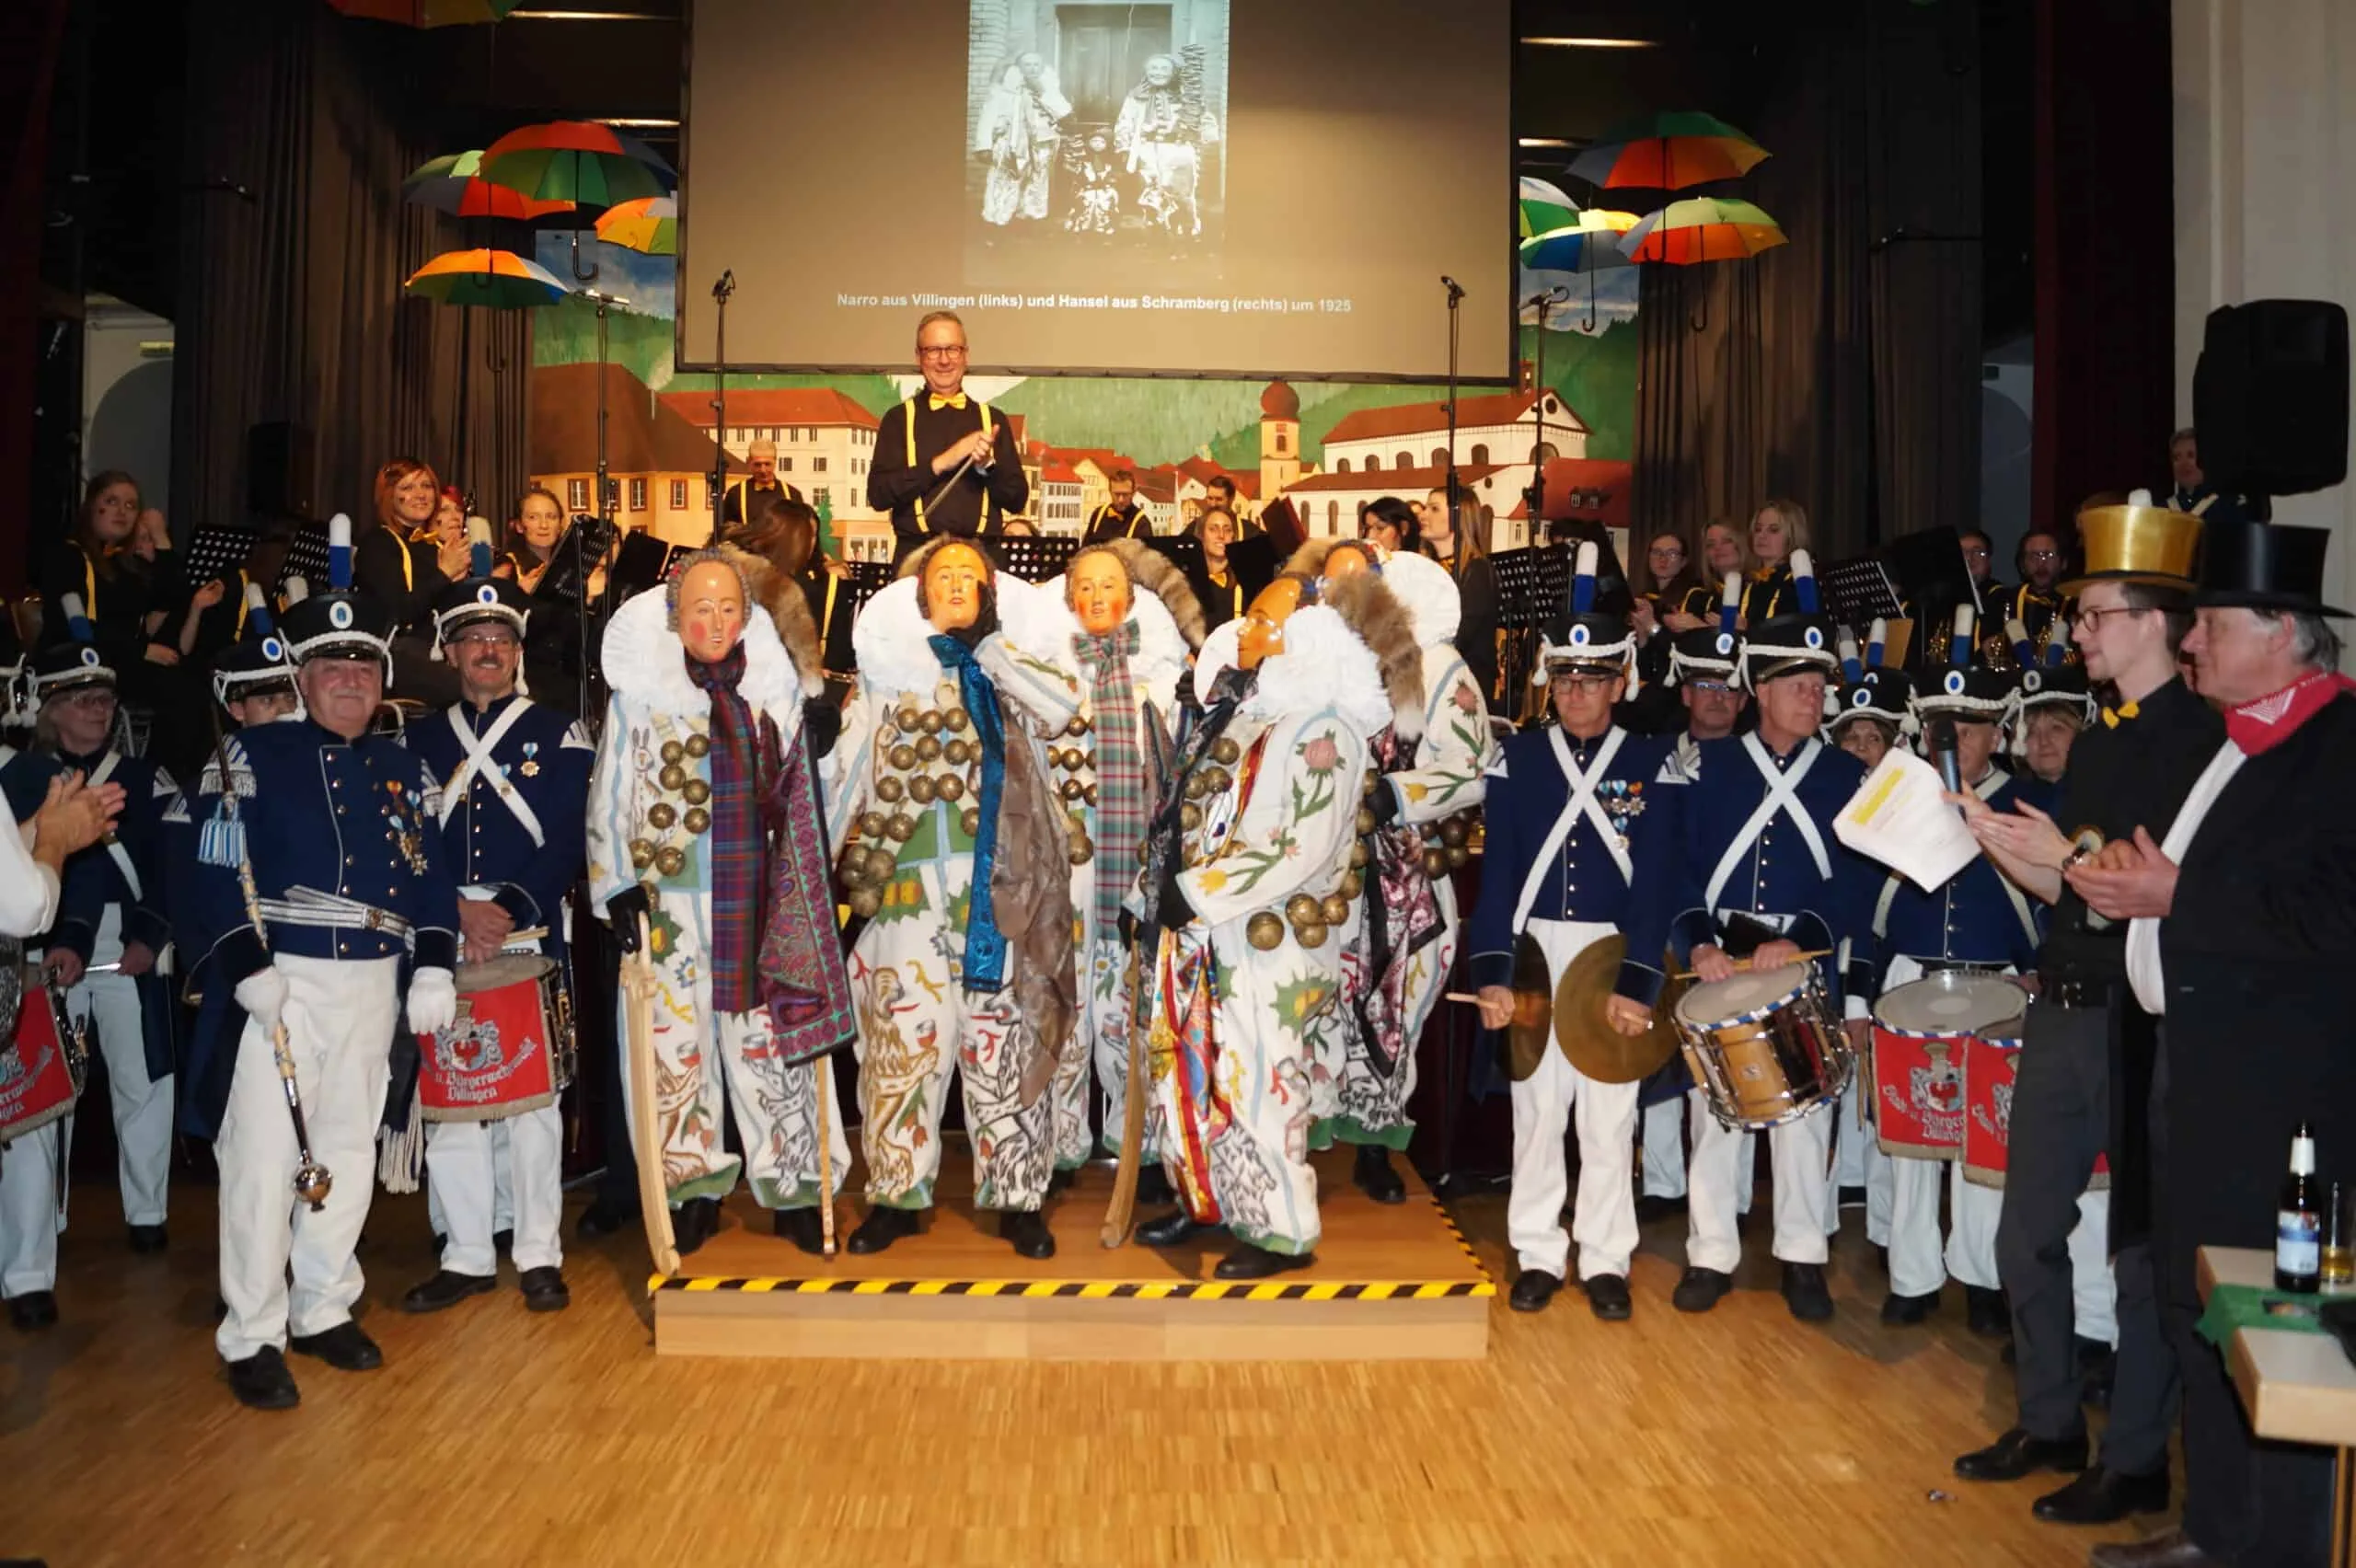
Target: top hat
{"points": [[257, 663], [1705, 652], [2263, 566], [2137, 543], [461, 605], [2064, 684], [1880, 693], [1969, 691], [1787, 644], [65, 666], [1585, 638]]}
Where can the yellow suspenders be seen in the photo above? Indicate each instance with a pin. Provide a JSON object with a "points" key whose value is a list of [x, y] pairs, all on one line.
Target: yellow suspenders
{"points": [[908, 427]]}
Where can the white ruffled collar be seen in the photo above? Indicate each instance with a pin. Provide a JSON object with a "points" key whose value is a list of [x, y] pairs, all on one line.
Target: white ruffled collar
{"points": [[1324, 665], [1161, 658], [892, 640], [1434, 608], [644, 663]]}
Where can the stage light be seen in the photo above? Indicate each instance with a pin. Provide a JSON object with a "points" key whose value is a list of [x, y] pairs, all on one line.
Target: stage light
{"points": [[628, 125], [1540, 141], [1592, 43]]}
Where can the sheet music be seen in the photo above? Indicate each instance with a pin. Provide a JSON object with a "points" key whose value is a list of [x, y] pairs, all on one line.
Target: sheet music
{"points": [[1897, 817]]}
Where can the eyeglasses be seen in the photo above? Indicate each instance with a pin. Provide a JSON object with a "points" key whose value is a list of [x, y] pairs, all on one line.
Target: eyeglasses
{"points": [[1584, 680], [2093, 619], [1980, 550], [942, 351], [2041, 555], [1658, 551]]}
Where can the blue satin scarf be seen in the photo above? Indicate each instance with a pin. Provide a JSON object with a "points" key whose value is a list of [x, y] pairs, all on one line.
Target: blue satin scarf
{"points": [[985, 961]]}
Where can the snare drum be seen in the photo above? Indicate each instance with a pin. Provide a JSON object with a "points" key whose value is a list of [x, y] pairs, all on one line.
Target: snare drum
{"points": [[510, 1049], [1765, 1046], [1921, 1033], [1990, 1067], [41, 1072]]}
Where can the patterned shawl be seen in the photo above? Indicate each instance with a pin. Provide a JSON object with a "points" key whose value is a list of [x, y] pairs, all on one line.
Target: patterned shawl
{"points": [[985, 961], [803, 981], [1124, 786], [1401, 917], [740, 745]]}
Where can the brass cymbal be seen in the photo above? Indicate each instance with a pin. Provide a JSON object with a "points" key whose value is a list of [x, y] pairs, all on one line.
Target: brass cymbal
{"points": [[1585, 1031], [1532, 1029]]}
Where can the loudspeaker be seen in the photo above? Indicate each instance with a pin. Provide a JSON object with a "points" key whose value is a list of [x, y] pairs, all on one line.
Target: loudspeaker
{"points": [[2270, 397], [281, 468]]}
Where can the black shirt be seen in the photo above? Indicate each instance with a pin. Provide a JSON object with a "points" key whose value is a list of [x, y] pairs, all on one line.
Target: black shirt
{"points": [[407, 591], [975, 502], [737, 502], [1111, 522], [2132, 773], [833, 612]]}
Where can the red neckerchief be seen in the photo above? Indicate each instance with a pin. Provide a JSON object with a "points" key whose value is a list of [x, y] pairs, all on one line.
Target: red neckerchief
{"points": [[2268, 721]]}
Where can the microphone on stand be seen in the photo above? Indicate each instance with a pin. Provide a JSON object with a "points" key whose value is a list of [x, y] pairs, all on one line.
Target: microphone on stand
{"points": [[1555, 295], [1455, 289], [726, 286]]}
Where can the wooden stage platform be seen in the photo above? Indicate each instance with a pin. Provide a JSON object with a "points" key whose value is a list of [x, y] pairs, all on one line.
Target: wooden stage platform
{"points": [[1391, 1283]]}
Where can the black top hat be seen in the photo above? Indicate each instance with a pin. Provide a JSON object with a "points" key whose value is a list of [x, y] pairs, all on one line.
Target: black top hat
{"points": [[1972, 691], [1597, 640], [479, 599], [1783, 645], [2263, 566], [339, 623], [1880, 693], [2056, 684], [62, 667], [255, 665], [1701, 652]]}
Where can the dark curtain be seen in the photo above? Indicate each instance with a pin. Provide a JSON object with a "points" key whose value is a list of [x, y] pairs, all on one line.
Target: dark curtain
{"points": [[302, 125], [32, 34], [1841, 369]]}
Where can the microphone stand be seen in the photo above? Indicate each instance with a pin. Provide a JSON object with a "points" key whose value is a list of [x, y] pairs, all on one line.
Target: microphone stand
{"points": [[1455, 298], [721, 292], [1533, 500]]}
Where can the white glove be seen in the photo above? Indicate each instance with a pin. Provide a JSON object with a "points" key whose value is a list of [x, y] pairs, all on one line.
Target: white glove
{"points": [[432, 1001], [264, 996]]}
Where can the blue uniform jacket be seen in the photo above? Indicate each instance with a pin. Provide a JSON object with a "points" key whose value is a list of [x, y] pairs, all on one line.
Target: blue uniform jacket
{"points": [[1971, 919], [544, 757], [1773, 874], [1528, 792], [350, 819], [99, 880]]}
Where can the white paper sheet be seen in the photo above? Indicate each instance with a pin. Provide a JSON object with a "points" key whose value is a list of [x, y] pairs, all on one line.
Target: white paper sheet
{"points": [[1897, 817]]}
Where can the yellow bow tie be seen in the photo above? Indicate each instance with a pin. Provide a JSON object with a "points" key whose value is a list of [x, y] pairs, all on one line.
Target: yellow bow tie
{"points": [[955, 401], [2111, 716]]}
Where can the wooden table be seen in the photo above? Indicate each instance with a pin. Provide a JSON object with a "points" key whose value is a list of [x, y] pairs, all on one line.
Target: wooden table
{"points": [[2298, 1387]]}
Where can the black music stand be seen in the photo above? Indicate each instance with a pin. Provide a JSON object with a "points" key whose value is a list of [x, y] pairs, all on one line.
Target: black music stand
{"points": [[642, 563], [307, 556], [865, 580], [1034, 557], [218, 549], [1857, 593]]}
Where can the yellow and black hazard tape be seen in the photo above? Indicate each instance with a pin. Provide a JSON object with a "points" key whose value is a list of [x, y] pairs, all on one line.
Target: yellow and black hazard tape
{"points": [[1462, 1245], [1100, 1290]]}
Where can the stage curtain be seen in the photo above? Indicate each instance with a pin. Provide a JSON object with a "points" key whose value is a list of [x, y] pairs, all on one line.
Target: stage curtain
{"points": [[1841, 369], [301, 127], [32, 32]]}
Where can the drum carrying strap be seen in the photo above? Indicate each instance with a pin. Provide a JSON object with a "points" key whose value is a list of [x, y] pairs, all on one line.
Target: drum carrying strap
{"points": [[1582, 802], [1783, 794], [115, 851], [479, 764]]}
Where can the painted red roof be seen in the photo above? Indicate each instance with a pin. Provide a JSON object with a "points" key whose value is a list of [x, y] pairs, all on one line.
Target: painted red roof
{"points": [[1431, 418], [785, 405], [1586, 486]]}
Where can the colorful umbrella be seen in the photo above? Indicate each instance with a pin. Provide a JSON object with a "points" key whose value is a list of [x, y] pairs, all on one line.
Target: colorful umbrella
{"points": [[498, 279], [454, 185], [577, 160], [427, 12], [1702, 228], [649, 224], [1589, 244], [1543, 207], [1669, 152]]}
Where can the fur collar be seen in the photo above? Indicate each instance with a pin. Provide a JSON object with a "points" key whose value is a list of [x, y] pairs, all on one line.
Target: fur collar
{"points": [[1434, 606], [1324, 665], [646, 667], [891, 636]]}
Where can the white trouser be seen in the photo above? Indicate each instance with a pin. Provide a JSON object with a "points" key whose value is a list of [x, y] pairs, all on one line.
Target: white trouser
{"points": [[1799, 1150], [339, 1019], [503, 1193], [2094, 1293], [1664, 1136], [30, 1215], [143, 1106], [1605, 1215], [463, 1164]]}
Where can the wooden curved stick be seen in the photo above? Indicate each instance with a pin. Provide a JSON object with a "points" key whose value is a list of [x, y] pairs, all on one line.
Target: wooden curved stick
{"points": [[645, 1119]]}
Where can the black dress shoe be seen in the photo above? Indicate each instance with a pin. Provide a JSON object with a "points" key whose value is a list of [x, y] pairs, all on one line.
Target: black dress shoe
{"points": [[805, 1227], [1986, 1312], [2104, 1496], [2017, 1453], [604, 1218], [1244, 1260], [343, 1347], [446, 1289], [544, 1290], [1153, 1186], [1026, 1231], [1171, 1230], [1700, 1289], [1905, 1311], [33, 1310], [261, 1382], [1652, 1206], [1805, 1294], [1533, 1290], [1607, 1297], [693, 1223], [1373, 1176], [147, 1239], [882, 1226]]}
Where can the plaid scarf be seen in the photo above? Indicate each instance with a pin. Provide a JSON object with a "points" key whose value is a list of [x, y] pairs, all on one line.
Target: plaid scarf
{"points": [[738, 840], [1124, 786], [984, 962]]}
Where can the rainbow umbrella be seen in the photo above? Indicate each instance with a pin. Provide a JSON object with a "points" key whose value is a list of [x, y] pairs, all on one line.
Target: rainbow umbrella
{"points": [[1588, 244], [649, 224], [454, 185], [427, 12], [577, 160], [498, 279], [1544, 206], [1702, 228], [1669, 152]]}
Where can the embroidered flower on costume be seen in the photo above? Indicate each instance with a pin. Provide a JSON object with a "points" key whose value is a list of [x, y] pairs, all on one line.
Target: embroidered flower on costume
{"points": [[1466, 699], [1321, 754]]}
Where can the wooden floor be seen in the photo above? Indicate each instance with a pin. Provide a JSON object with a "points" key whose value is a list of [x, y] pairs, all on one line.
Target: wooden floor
{"points": [[494, 1436]]}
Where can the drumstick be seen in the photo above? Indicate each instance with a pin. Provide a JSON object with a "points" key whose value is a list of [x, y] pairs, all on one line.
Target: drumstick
{"points": [[822, 1071], [1745, 963]]}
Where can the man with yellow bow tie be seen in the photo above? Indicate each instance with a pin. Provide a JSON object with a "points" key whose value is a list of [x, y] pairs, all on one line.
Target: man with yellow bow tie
{"points": [[945, 461]]}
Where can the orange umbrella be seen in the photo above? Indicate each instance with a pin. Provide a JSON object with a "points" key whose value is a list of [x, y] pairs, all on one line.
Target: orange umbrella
{"points": [[1702, 228], [498, 279]]}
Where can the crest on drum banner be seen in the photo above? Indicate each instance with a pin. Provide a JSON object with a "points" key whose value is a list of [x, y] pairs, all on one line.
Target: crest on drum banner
{"points": [[42, 1067], [505, 1053]]}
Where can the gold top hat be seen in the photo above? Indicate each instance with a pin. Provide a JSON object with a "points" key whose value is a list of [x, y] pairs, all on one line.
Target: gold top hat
{"points": [[2137, 543]]}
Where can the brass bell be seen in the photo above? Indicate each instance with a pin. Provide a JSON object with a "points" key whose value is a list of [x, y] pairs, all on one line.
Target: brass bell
{"points": [[1334, 908], [1198, 785], [670, 860], [662, 815], [921, 789], [1078, 725], [950, 787], [672, 752], [673, 778], [697, 821], [881, 865], [1087, 794], [865, 902], [1311, 935], [1434, 863], [698, 745], [641, 853], [970, 820], [870, 825], [928, 747], [906, 716], [1366, 787], [853, 869], [697, 791], [1225, 752], [1358, 856], [1069, 789], [1081, 852], [1302, 909], [1456, 855], [929, 722], [889, 790], [1366, 821], [954, 721], [1221, 779], [1075, 823], [1264, 931], [957, 754], [902, 757], [1454, 832], [901, 828], [1190, 816], [1352, 885]]}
